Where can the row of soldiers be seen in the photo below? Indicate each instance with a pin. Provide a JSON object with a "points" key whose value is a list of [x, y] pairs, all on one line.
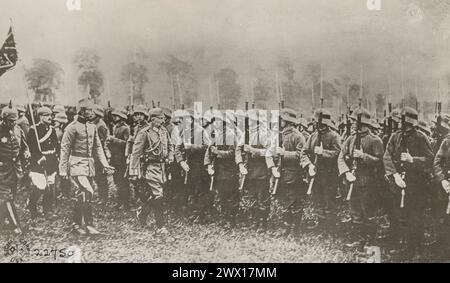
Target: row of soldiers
{"points": [[155, 156]]}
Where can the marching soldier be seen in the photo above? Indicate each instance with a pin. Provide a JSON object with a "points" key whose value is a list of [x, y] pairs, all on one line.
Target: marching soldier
{"points": [[221, 159], [79, 146], [291, 191], [23, 122], [116, 145], [152, 144], [407, 161], [303, 128], [13, 154], [43, 144], [359, 158], [100, 177], [325, 171]]}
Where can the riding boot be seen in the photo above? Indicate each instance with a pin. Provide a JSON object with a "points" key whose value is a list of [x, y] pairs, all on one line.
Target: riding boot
{"points": [[32, 202]]}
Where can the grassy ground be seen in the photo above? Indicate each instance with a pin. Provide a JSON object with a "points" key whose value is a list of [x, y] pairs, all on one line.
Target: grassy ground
{"points": [[123, 240]]}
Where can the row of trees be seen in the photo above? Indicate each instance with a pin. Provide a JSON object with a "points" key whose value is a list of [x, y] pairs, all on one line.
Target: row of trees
{"points": [[226, 89]]}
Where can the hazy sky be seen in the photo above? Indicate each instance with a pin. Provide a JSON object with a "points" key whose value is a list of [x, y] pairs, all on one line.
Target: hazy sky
{"points": [[213, 34]]}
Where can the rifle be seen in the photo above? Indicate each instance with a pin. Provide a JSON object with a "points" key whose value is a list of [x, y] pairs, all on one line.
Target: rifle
{"points": [[280, 144], [357, 145], [186, 174], [246, 142], [110, 118]]}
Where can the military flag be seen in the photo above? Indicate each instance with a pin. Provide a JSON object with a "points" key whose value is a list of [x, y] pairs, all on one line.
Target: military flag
{"points": [[8, 53]]}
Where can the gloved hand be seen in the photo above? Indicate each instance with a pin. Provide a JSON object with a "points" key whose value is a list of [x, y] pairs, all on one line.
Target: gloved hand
{"points": [[184, 165], [42, 161], [318, 150], [399, 181], [406, 157], [446, 186], [242, 169], [275, 172], [358, 153], [312, 170], [350, 177], [210, 169]]}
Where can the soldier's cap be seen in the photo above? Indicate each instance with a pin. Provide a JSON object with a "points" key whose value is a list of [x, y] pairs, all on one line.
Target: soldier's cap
{"points": [[44, 111], [85, 102], [396, 115], [375, 124], [10, 113], [154, 112], [122, 113], [365, 116], [411, 115], [289, 115], [424, 126], [303, 122], [326, 117], [140, 109], [20, 108], [98, 110], [58, 108], [61, 117]]}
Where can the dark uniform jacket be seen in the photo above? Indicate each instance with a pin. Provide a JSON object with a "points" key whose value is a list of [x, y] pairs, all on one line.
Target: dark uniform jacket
{"points": [[419, 148], [117, 144], [49, 148], [12, 148], [372, 146]]}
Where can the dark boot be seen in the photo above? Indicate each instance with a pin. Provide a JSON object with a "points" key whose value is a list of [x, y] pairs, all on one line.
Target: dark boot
{"points": [[47, 202], [78, 212], [143, 212], [32, 202], [13, 217]]}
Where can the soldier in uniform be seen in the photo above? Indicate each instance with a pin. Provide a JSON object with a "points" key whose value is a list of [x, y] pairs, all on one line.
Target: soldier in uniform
{"points": [[116, 145], [291, 190], [13, 153], [43, 144], [220, 159], [152, 144], [441, 195], [408, 161], [253, 158], [140, 115], [60, 123], [325, 171], [80, 148], [101, 178], [189, 155], [23, 122], [358, 165]]}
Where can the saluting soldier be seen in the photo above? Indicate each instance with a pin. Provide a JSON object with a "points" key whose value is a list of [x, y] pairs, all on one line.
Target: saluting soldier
{"points": [[13, 154], [325, 171], [408, 161], [116, 145], [80, 148], [152, 147], [291, 190], [43, 144], [358, 166]]}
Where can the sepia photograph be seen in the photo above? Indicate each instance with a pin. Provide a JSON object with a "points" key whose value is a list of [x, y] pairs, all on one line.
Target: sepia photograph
{"points": [[251, 132]]}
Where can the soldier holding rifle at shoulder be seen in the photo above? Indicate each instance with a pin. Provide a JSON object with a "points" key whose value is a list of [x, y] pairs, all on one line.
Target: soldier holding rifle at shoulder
{"points": [[361, 154], [407, 161]]}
